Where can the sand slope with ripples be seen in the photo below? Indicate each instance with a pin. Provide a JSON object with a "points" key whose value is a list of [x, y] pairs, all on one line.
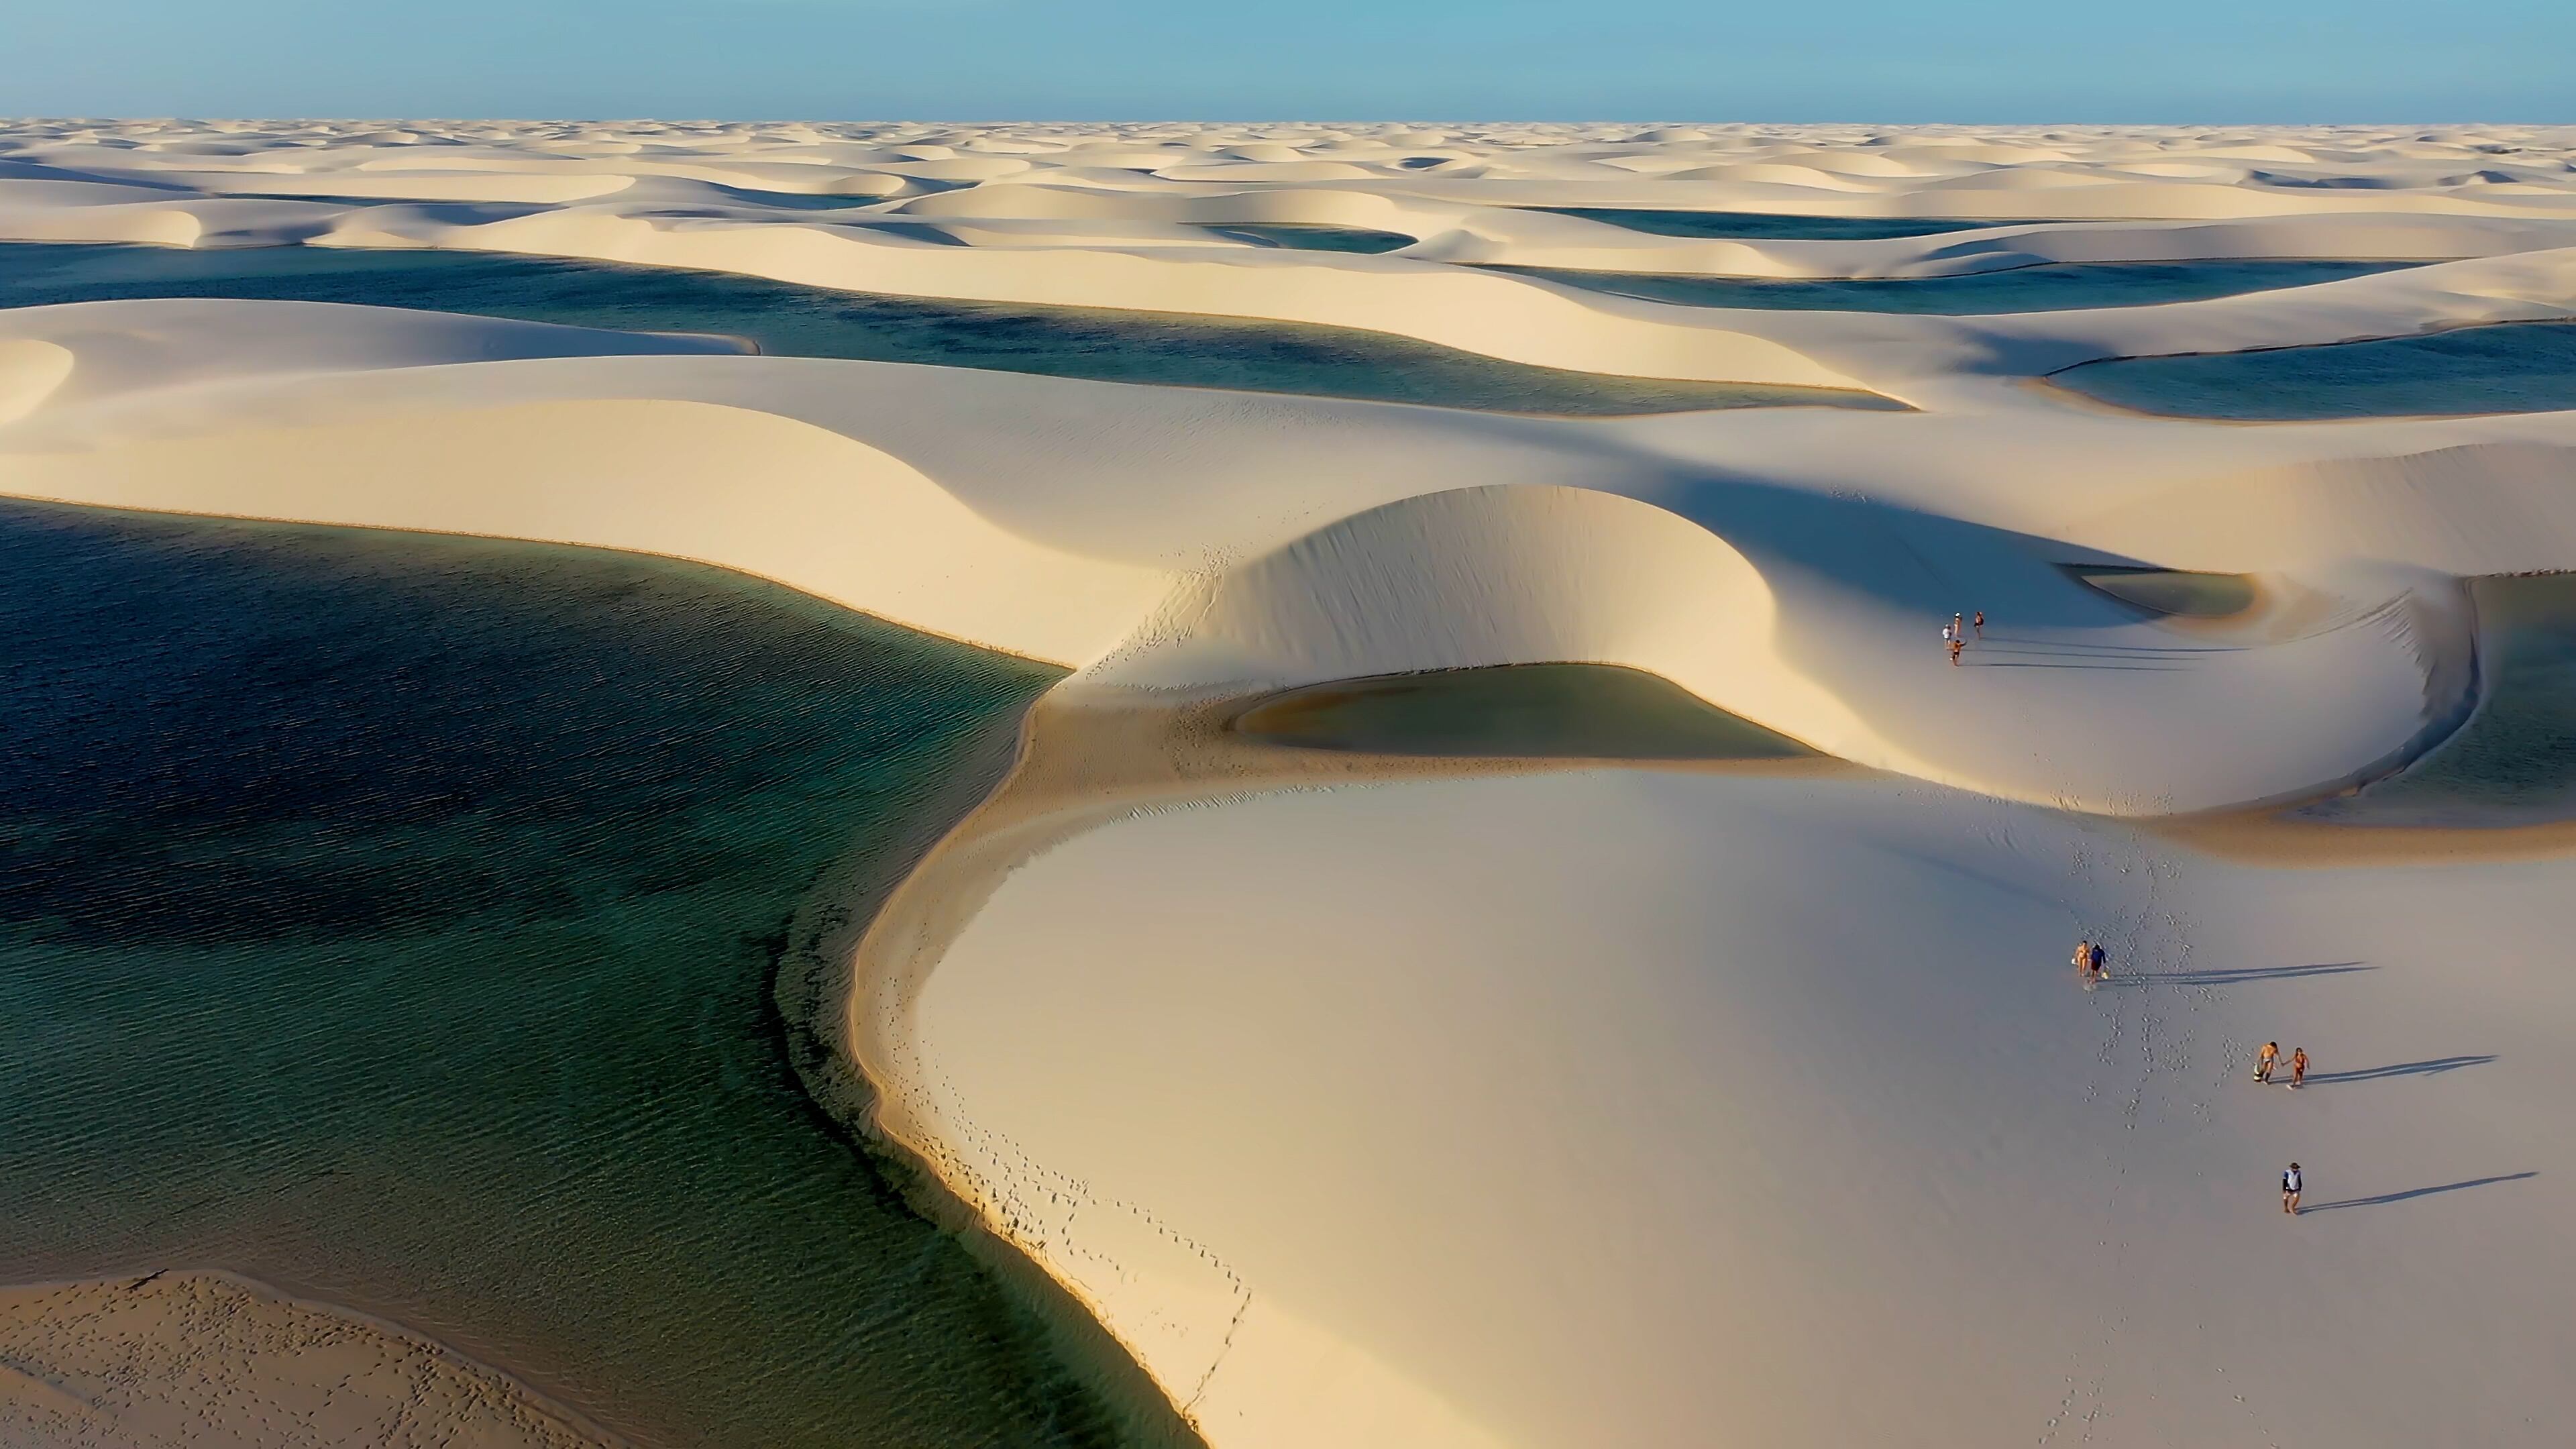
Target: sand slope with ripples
{"points": [[207, 1359]]}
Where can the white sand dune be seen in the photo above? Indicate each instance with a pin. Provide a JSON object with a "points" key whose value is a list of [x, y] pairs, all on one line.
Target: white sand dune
{"points": [[1675, 1109], [1538, 1107]]}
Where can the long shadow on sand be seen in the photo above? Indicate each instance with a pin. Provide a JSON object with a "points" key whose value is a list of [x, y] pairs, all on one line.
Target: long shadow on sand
{"points": [[2004, 651], [2247, 974], [2005, 643], [2090, 649], [2389, 1197], [2432, 1068], [2070, 664]]}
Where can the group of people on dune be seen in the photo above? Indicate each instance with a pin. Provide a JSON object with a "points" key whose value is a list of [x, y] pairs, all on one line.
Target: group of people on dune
{"points": [[2270, 1057], [2091, 963], [1954, 635]]}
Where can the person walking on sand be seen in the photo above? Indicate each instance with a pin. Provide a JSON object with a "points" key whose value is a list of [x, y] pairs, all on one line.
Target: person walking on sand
{"points": [[2098, 963], [2084, 958], [2292, 1184], [2263, 1061], [1959, 627], [1956, 645], [2298, 1066], [1980, 624]]}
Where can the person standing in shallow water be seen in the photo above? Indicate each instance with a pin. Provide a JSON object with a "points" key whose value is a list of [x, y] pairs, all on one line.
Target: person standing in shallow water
{"points": [[2293, 1182]]}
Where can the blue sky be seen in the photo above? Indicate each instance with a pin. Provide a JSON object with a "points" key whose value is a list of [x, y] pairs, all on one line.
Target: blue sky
{"points": [[2214, 61]]}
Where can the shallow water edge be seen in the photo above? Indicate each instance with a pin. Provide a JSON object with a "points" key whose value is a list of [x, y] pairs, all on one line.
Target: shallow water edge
{"points": [[1087, 758], [812, 993]]}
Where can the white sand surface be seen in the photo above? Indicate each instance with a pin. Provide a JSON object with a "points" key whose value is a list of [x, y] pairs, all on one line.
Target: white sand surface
{"points": [[1395, 1104], [210, 1361], [1664, 1109]]}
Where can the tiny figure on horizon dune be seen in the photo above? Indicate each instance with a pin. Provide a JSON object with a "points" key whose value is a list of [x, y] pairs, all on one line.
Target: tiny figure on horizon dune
{"points": [[2264, 1060], [2298, 1066], [2293, 1182], [1980, 624]]}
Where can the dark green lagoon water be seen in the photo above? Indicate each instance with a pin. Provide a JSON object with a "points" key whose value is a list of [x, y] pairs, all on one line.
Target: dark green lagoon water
{"points": [[783, 200], [1355, 239], [391, 918], [2056, 287], [2514, 761], [1567, 711], [815, 201], [2514, 367], [1753, 224], [1114, 346], [2171, 592]]}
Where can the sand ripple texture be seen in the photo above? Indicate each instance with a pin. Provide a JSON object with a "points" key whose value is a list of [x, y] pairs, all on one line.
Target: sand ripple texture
{"points": [[213, 1361], [1588, 1106]]}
